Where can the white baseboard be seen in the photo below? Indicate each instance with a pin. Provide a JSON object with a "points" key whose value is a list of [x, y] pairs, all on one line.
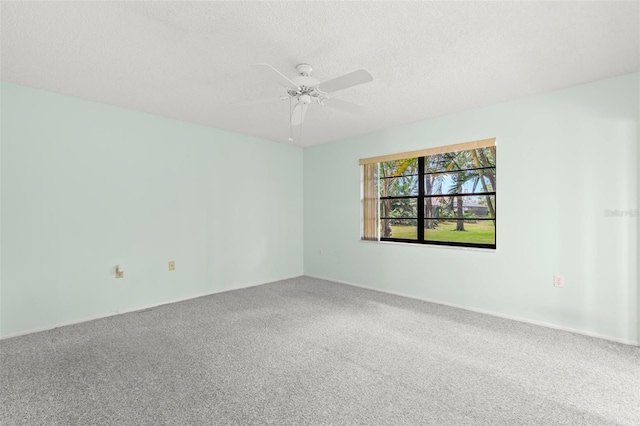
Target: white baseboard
{"points": [[139, 308], [492, 313]]}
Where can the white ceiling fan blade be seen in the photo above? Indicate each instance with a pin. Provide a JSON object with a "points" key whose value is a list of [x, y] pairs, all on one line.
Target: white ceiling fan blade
{"points": [[348, 80], [259, 101], [344, 106], [274, 75], [299, 111]]}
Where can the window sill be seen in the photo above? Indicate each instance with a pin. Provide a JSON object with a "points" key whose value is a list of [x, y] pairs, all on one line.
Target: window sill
{"points": [[432, 246]]}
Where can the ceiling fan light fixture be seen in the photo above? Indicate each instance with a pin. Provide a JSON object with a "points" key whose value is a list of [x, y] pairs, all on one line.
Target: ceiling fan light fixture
{"points": [[305, 99]]}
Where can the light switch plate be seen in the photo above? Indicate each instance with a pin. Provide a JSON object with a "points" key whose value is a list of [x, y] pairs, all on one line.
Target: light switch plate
{"points": [[172, 265]]}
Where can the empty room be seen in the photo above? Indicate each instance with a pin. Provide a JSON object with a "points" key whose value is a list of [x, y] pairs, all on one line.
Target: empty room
{"points": [[286, 213]]}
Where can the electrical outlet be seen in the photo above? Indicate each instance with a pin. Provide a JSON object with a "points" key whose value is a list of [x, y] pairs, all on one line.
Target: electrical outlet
{"points": [[172, 265], [558, 281]]}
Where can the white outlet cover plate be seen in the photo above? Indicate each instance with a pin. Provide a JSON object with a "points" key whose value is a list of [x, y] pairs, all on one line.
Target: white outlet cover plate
{"points": [[558, 281]]}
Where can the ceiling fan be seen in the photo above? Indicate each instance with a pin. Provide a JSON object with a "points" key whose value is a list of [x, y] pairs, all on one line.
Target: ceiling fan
{"points": [[304, 90]]}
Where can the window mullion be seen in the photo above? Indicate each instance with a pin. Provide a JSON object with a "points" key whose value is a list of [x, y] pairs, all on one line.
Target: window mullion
{"points": [[420, 205]]}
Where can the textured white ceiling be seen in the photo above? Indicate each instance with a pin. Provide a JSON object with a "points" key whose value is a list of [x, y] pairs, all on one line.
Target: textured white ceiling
{"points": [[191, 60]]}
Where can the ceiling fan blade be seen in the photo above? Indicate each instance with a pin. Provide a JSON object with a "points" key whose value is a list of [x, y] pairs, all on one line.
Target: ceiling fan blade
{"points": [[348, 80], [344, 106], [299, 111], [258, 101], [274, 75]]}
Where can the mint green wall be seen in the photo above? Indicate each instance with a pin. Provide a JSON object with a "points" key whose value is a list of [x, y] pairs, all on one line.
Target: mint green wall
{"points": [[87, 186], [563, 159]]}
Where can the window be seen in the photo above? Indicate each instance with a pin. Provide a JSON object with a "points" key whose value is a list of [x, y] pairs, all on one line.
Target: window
{"points": [[440, 196]]}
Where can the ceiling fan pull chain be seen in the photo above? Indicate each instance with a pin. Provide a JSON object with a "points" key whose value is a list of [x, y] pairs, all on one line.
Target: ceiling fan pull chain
{"points": [[300, 132], [290, 125]]}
